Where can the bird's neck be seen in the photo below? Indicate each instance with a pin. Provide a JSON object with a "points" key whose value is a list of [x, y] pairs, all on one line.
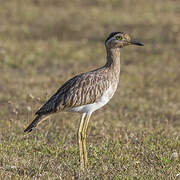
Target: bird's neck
{"points": [[113, 59]]}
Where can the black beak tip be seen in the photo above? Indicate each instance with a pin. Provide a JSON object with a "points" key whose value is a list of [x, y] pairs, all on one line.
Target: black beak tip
{"points": [[140, 44], [136, 43]]}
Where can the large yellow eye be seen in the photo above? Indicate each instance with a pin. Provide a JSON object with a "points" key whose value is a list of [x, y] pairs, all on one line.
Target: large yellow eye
{"points": [[119, 38]]}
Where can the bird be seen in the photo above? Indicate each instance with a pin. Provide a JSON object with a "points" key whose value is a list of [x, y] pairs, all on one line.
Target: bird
{"points": [[88, 92]]}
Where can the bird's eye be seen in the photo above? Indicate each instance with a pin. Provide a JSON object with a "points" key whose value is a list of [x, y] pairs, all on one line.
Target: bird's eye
{"points": [[118, 37]]}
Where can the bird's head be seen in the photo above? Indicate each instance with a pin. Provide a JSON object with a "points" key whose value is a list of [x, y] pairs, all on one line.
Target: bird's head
{"points": [[120, 40]]}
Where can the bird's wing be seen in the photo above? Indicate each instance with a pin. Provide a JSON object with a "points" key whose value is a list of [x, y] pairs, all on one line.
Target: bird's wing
{"points": [[82, 89]]}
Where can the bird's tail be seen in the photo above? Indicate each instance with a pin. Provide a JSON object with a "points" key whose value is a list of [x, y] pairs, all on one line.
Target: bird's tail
{"points": [[38, 119], [33, 124]]}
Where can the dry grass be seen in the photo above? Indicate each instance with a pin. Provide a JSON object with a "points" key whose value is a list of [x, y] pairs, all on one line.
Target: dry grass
{"points": [[43, 43]]}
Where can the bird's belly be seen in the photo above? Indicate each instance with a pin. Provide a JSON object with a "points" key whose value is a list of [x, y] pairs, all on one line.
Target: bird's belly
{"points": [[103, 100]]}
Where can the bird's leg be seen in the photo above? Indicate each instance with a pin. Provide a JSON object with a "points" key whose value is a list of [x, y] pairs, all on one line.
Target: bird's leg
{"points": [[80, 142], [85, 125]]}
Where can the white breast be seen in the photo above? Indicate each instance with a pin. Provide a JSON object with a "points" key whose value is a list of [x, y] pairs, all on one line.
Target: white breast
{"points": [[104, 99]]}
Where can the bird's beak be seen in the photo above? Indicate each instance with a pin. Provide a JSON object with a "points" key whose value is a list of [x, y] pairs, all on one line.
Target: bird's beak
{"points": [[133, 41]]}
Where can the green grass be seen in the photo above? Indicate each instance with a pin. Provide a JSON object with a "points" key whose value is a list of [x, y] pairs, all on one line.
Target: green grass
{"points": [[44, 43]]}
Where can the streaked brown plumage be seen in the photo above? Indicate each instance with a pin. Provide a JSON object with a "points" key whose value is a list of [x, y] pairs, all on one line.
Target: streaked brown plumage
{"points": [[89, 91]]}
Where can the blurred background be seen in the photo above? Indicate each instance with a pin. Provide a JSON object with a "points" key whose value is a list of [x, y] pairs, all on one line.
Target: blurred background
{"points": [[43, 43]]}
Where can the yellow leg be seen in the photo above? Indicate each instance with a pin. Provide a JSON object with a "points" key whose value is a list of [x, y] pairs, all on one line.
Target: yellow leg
{"points": [[80, 142], [85, 125]]}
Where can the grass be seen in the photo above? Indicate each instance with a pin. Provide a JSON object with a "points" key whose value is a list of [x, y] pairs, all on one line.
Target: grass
{"points": [[43, 43]]}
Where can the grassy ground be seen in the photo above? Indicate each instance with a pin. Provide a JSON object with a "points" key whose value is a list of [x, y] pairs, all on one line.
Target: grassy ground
{"points": [[43, 43]]}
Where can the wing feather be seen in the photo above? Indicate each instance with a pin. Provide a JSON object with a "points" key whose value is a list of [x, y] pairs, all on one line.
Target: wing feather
{"points": [[81, 89]]}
